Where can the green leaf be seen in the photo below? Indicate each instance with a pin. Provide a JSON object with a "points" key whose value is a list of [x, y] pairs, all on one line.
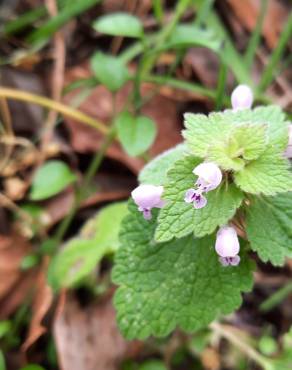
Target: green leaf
{"points": [[152, 365], [5, 327], [203, 131], [178, 218], [155, 171], [245, 142], [80, 256], [32, 367], [109, 70], [221, 153], [70, 11], [119, 24], [259, 127], [50, 179], [2, 361], [269, 174], [272, 116], [269, 227], [179, 283], [74, 262], [105, 226], [136, 134], [188, 35]]}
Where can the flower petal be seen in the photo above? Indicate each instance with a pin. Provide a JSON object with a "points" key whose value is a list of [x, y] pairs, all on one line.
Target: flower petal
{"points": [[189, 196], [241, 97], [227, 244]]}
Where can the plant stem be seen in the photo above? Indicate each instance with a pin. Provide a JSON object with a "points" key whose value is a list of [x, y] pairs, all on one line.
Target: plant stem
{"points": [[81, 192], [51, 104], [149, 61], [276, 298], [224, 332], [183, 85]]}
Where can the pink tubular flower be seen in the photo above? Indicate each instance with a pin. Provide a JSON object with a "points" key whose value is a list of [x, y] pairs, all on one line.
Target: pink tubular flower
{"points": [[209, 178], [147, 197], [288, 152], [194, 196], [241, 97], [227, 246]]}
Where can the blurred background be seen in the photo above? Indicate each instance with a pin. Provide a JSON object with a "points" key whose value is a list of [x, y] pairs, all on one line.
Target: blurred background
{"points": [[90, 91]]}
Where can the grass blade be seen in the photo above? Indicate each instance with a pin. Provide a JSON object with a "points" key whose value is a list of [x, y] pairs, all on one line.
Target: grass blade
{"points": [[256, 36], [269, 72]]}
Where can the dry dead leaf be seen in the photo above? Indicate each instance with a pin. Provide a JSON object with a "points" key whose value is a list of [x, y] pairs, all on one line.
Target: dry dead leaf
{"points": [[110, 188], [247, 12], [42, 302], [87, 337], [99, 104], [210, 359], [15, 284]]}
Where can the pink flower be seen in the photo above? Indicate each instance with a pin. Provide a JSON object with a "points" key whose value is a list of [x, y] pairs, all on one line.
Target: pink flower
{"points": [[288, 152], [194, 196], [209, 178], [227, 246], [241, 97], [147, 197]]}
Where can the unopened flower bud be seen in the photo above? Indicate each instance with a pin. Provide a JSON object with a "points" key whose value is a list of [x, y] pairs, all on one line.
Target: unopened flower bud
{"points": [[147, 197], [241, 97], [227, 246]]}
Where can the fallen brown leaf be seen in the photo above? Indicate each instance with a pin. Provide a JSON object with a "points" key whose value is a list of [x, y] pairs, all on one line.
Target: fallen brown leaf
{"points": [[247, 12], [99, 105], [43, 299], [109, 189], [87, 338], [15, 284]]}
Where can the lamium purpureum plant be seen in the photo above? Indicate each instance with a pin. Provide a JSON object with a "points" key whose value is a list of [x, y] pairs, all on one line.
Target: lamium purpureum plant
{"points": [[200, 209]]}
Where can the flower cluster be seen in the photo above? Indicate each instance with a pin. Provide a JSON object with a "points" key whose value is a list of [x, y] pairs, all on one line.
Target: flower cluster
{"points": [[209, 178]]}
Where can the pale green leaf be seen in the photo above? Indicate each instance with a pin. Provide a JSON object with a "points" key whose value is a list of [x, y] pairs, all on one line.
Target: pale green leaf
{"points": [[119, 24], [203, 131], [251, 140], [178, 218], [105, 226], [188, 35], [136, 134], [244, 143], [74, 262], [152, 365], [269, 227], [109, 70], [269, 174], [97, 238], [221, 153], [155, 171], [50, 179], [174, 284], [272, 116]]}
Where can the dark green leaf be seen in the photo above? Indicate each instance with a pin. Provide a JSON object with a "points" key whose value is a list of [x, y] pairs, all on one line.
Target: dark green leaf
{"points": [[179, 283]]}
